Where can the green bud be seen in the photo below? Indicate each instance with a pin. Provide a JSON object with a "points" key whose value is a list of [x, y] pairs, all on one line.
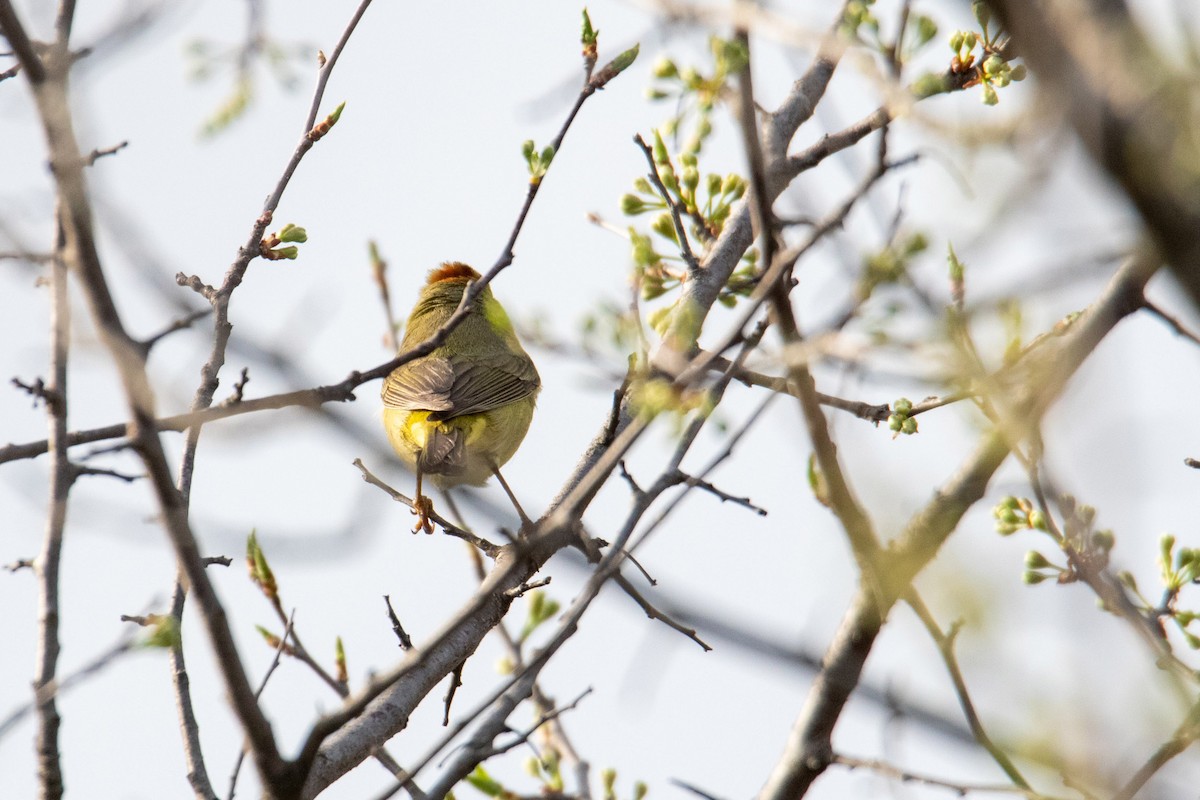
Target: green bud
{"points": [[660, 150], [669, 180], [895, 422], [293, 233], [537, 600], [712, 184], [956, 41], [527, 149], [589, 34], [909, 427], [917, 243], [1035, 560], [688, 159], [533, 767], [665, 68], [664, 226], [956, 266], [643, 252], [632, 205], [1192, 640], [983, 14], [925, 30], [990, 98], [1019, 72], [547, 155], [902, 406], [994, 65], [1036, 520], [639, 790], [1034, 578], [1103, 540], [653, 288], [691, 178], [642, 185], [655, 94], [691, 79], [1166, 544], [290, 252], [608, 778], [703, 128], [485, 783], [164, 633]]}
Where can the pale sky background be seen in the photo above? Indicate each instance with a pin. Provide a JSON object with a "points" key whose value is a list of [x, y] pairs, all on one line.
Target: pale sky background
{"points": [[426, 161]]}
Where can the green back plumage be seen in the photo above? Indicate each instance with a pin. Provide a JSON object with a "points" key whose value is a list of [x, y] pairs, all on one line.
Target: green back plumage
{"points": [[480, 367]]}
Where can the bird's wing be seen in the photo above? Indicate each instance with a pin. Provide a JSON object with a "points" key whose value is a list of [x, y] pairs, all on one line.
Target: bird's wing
{"points": [[482, 386], [425, 384], [458, 386]]}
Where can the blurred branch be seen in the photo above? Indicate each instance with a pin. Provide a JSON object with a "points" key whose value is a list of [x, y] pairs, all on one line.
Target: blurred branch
{"points": [[47, 693], [1185, 736], [945, 645], [1132, 110], [809, 749], [907, 777]]}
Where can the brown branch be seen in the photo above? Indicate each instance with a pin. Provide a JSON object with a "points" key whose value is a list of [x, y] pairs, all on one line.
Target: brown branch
{"points": [[49, 82], [451, 690], [62, 476], [397, 628], [1172, 322], [18, 40], [193, 754], [100, 152], [654, 613]]}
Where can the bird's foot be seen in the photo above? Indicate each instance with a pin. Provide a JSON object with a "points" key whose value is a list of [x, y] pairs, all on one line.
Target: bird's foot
{"points": [[423, 507]]}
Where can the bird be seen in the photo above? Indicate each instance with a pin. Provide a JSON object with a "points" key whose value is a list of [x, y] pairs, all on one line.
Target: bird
{"points": [[459, 413]]}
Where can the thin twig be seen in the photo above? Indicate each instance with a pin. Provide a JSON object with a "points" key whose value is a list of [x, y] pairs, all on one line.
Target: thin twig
{"points": [[1174, 323], [945, 645], [654, 613], [397, 628], [685, 247], [486, 547], [451, 690], [906, 776]]}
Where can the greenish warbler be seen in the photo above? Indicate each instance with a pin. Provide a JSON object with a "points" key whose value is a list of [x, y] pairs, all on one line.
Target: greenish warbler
{"points": [[459, 413]]}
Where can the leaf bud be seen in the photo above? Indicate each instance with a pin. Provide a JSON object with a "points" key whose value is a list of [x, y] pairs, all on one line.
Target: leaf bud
{"points": [[665, 68]]}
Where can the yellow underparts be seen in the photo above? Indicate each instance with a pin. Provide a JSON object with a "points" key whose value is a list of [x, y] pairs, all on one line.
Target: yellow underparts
{"points": [[489, 439]]}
